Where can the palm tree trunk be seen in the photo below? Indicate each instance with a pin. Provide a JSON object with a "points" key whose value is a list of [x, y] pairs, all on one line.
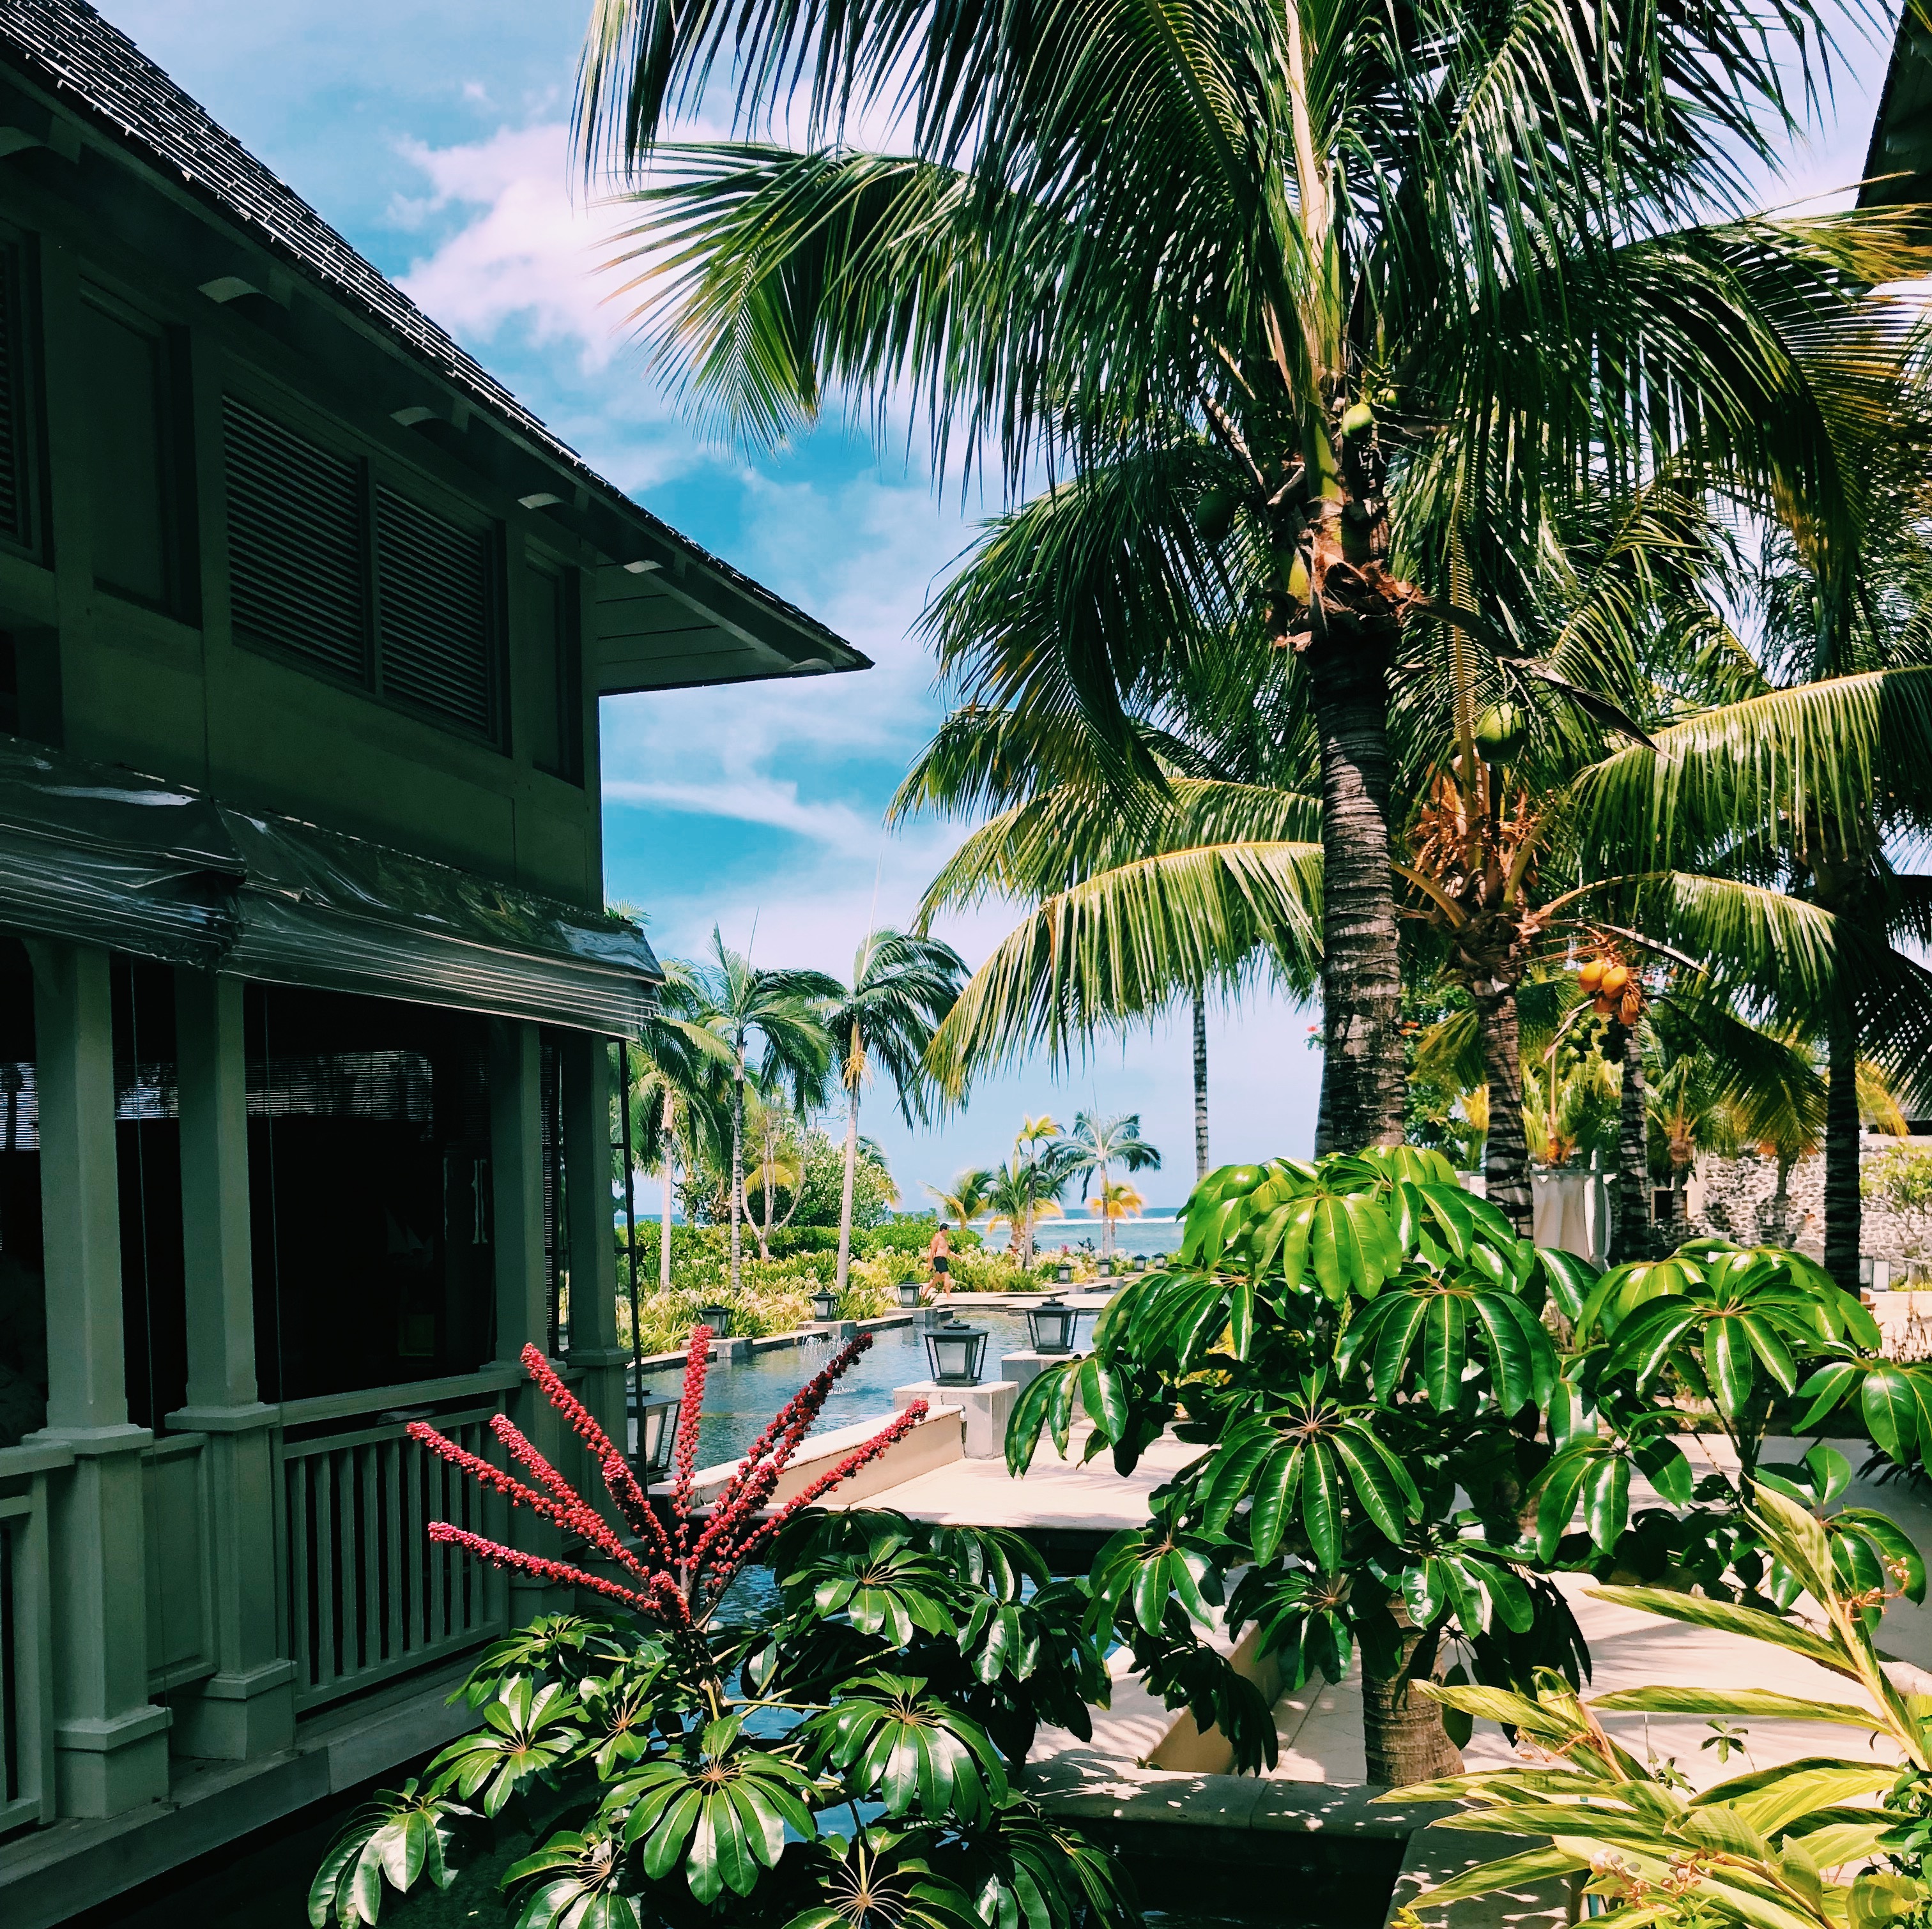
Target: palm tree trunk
{"points": [[1506, 1180], [1362, 1075], [1775, 1227], [845, 1189], [1106, 1215], [664, 1220], [1633, 1241], [1844, 1228], [1403, 1739], [767, 1185], [737, 1173], [1200, 1087]]}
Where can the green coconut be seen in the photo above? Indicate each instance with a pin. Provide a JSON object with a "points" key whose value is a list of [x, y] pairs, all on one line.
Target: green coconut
{"points": [[1214, 514], [1358, 421], [1501, 731]]}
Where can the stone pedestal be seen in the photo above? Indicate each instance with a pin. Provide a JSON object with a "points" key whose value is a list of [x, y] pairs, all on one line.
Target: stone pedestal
{"points": [[734, 1352], [1023, 1369], [833, 1329], [988, 1407]]}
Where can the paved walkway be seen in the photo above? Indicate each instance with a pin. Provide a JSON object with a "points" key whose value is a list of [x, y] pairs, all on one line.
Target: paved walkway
{"points": [[1054, 1494], [1319, 1726]]}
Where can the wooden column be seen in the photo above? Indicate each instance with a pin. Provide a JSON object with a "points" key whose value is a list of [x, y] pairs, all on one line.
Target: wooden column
{"points": [[516, 1213], [110, 1742], [594, 1345], [246, 1708]]}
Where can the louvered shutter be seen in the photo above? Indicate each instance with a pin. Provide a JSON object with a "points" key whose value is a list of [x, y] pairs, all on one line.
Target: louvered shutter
{"points": [[295, 574], [16, 514], [434, 582]]}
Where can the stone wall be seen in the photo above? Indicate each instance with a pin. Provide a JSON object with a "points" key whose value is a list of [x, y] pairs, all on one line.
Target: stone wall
{"points": [[1731, 1197]]}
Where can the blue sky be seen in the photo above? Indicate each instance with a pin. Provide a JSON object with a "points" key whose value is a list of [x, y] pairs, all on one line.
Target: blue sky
{"points": [[432, 132]]}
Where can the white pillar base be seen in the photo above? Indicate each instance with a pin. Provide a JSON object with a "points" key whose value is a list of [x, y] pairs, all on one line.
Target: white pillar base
{"points": [[987, 1408], [1024, 1368]]}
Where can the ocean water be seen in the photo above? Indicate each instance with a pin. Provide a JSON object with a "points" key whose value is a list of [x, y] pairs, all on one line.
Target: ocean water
{"points": [[1154, 1235]]}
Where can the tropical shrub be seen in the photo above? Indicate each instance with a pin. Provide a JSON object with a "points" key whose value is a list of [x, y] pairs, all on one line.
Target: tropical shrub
{"points": [[1772, 1849], [1900, 1179], [1357, 1343], [1750, 1335], [845, 1756]]}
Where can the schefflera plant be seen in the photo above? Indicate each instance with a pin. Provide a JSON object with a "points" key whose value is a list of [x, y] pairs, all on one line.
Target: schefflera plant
{"points": [[1823, 1842], [1357, 1344], [846, 1758]]}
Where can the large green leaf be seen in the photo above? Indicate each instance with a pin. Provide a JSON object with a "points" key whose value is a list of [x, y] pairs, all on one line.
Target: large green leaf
{"points": [[895, 1743]]}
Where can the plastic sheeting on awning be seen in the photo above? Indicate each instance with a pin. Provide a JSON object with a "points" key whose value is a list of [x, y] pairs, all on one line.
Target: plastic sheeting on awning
{"points": [[318, 908], [108, 857]]}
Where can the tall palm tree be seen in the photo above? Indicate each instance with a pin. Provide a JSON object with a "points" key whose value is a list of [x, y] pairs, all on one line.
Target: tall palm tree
{"points": [[1279, 280], [970, 1196], [1021, 1191], [1096, 1145], [672, 1077], [1114, 1201], [779, 1011], [779, 1166], [902, 988]]}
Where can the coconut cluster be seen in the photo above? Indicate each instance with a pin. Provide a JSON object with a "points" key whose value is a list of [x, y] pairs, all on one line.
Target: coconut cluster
{"points": [[1616, 990]]}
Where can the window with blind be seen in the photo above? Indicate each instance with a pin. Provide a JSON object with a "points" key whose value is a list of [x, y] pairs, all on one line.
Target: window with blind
{"points": [[555, 694], [434, 581], [331, 564], [18, 529], [135, 484]]}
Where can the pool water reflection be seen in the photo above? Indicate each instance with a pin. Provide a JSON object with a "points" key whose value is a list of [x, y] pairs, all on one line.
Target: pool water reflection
{"points": [[740, 1400]]}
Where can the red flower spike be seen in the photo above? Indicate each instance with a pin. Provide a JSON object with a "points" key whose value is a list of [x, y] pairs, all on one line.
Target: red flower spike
{"points": [[681, 1586], [632, 1501], [697, 1367], [583, 1423], [634, 1505], [894, 1430], [572, 1511], [499, 1555]]}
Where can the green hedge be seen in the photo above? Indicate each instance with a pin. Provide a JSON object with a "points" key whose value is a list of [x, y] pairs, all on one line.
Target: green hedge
{"points": [[700, 1246]]}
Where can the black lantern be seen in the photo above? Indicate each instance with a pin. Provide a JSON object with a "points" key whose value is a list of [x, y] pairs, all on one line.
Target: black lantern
{"points": [[956, 1352], [909, 1292], [1140, 1262], [1051, 1323], [656, 1423], [825, 1304], [718, 1319], [1063, 1274], [1105, 1268]]}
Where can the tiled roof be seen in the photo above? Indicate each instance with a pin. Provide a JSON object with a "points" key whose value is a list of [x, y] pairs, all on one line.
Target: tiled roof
{"points": [[90, 64]]}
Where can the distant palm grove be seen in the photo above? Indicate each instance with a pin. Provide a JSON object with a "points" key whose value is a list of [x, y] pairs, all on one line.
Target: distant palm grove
{"points": [[1481, 580]]}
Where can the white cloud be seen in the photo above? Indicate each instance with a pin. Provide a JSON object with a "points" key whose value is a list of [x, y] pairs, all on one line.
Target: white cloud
{"points": [[529, 256]]}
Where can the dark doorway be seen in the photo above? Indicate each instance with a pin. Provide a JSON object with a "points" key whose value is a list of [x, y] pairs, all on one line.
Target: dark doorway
{"points": [[368, 1167]]}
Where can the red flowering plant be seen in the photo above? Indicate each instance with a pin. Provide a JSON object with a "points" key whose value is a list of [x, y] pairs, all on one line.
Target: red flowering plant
{"points": [[840, 1748]]}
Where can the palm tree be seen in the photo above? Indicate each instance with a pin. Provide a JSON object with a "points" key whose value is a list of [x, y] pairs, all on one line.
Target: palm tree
{"points": [[672, 1078], [970, 1195], [1208, 877], [902, 988], [1096, 1144], [1113, 1201], [779, 1167], [1016, 1198], [1273, 283], [779, 1009]]}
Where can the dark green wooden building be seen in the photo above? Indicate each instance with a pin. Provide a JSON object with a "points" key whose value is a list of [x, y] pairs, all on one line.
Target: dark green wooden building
{"points": [[307, 989]]}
